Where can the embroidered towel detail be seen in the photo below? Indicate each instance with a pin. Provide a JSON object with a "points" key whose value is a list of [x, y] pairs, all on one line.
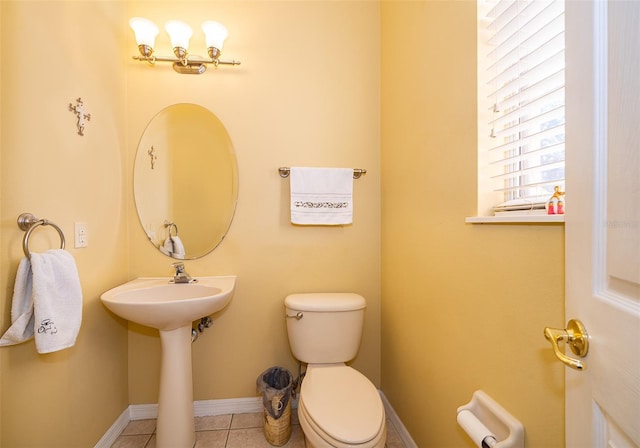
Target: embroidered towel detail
{"points": [[321, 196], [21, 328], [57, 300]]}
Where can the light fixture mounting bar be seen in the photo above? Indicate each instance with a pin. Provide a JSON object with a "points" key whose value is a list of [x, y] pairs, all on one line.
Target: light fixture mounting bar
{"points": [[231, 62], [153, 59]]}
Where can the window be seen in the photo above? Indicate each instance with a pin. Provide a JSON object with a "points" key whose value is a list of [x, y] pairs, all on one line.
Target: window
{"points": [[520, 104]]}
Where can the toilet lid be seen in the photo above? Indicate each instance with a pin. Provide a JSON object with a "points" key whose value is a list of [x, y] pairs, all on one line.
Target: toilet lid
{"points": [[325, 302], [343, 403]]}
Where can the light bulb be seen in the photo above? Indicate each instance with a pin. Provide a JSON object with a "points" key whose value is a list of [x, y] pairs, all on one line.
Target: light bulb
{"points": [[215, 34], [145, 30], [179, 32]]}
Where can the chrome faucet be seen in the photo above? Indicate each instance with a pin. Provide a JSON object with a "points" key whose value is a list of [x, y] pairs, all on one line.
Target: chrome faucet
{"points": [[181, 275]]}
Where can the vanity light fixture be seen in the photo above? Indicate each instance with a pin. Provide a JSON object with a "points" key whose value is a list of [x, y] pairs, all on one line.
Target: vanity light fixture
{"points": [[180, 33]]}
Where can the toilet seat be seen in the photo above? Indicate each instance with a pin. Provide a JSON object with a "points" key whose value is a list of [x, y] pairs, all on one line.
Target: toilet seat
{"points": [[342, 407]]}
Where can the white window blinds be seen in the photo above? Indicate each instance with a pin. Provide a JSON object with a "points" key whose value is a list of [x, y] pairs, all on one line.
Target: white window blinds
{"points": [[523, 101]]}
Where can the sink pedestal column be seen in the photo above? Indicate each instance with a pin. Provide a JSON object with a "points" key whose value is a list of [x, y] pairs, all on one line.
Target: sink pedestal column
{"points": [[176, 426]]}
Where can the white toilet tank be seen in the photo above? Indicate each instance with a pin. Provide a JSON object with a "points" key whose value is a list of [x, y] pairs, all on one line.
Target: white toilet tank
{"points": [[324, 328]]}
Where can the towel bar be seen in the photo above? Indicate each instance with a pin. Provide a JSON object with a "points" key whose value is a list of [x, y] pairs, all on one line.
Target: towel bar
{"points": [[28, 222], [357, 172]]}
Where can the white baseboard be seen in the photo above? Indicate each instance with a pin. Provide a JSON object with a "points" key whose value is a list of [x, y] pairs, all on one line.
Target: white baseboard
{"points": [[112, 433], [228, 406], [203, 408], [224, 406], [400, 428], [143, 411]]}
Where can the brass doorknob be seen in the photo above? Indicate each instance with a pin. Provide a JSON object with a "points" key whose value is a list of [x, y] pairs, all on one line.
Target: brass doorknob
{"points": [[576, 336]]}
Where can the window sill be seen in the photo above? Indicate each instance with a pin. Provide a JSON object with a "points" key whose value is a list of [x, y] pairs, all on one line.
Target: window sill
{"points": [[516, 219]]}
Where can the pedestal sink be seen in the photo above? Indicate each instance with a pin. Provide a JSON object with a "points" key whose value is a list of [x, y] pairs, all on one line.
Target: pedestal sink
{"points": [[171, 308]]}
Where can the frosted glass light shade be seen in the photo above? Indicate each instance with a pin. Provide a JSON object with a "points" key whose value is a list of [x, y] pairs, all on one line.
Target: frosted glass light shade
{"points": [[215, 34], [145, 30], [179, 32]]}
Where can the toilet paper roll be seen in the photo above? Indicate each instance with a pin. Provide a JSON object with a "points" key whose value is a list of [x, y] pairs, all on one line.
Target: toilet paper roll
{"points": [[479, 433]]}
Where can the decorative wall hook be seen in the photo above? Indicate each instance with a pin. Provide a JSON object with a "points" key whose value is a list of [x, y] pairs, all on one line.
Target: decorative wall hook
{"points": [[152, 156], [78, 110]]}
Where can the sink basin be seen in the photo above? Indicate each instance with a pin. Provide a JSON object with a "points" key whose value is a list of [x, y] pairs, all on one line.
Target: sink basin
{"points": [[172, 308], [156, 303]]}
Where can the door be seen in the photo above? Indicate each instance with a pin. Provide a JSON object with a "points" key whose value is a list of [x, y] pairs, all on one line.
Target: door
{"points": [[603, 220]]}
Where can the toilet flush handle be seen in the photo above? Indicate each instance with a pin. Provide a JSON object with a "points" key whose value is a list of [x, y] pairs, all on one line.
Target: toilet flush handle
{"points": [[298, 316]]}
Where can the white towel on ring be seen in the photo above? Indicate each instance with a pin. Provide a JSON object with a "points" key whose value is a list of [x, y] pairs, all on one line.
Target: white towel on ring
{"points": [[57, 300], [22, 319], [321, 196], [47, 302]]}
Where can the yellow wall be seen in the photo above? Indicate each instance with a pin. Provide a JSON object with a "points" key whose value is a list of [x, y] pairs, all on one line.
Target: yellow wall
{"points": [[302, 96], [3, 282], [463, 306], [53, 53]]}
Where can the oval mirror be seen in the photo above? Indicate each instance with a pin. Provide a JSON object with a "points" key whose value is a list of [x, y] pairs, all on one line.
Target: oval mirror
{"points": [[185, 181]]}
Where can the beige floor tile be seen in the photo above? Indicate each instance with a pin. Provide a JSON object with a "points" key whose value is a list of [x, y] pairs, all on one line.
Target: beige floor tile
{"points": [[297, 437], [228, 431], [253, 420], [140, 427], [134, 441], [254, 438], [393, 438], [213, 422], [211, 439], [247, 438]]}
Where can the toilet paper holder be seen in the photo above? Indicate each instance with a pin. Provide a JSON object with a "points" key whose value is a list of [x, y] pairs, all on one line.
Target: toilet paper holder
{"points": [[488, 424]]}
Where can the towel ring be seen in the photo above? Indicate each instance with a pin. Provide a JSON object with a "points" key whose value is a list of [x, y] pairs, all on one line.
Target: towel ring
{"points": [[171, 225], [28, 222]]}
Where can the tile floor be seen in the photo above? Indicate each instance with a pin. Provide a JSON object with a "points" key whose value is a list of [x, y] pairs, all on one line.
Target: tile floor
{"points": [[227, 431]]}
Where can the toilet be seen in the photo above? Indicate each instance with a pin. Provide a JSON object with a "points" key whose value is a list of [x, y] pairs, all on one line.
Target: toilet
{"points": [[338, 406]]}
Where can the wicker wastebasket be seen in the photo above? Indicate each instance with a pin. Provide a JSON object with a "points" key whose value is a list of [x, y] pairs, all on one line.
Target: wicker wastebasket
{"points": [[275, 386]]}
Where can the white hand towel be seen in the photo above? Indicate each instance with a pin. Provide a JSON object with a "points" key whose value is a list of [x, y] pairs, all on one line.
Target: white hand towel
{"points": [[321, 196], [21, 328], [57, 300]]}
